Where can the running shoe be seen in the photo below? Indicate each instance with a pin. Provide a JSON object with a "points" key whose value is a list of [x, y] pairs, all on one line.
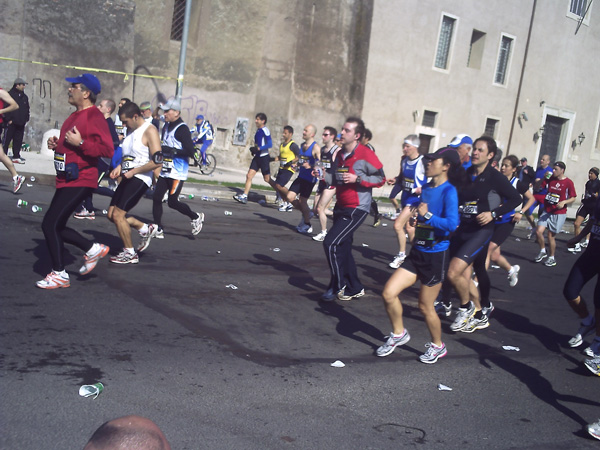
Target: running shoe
{"points": [[283, 206], [377, 221], [54, 280], [531, 235], [310, 216], [125, 258], [550, 262], [90, 261], [85, 214], [582, 332], [392, 342], [329, 295], [321, 236], [160, 234], [513, 275], [488, 310], [584, 244], [593, 350], [18, 183], [594, 429], [145, 239], [18, 161], [575, 249], [398, 260], [476, 324], [347, 297], [442, 309], [433, 353], [305, 228], [242, 198], [197, 224], [541, 255], [593, 365], [462, 317]]}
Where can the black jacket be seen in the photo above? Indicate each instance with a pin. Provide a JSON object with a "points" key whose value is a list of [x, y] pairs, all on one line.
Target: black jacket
{"points": [[21, 115]]}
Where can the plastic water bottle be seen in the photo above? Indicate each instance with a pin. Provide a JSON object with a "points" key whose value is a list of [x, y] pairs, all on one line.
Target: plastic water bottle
{"points": [[209, 199], [35, 208], [21, 203], [228, 213], [320, 170], [191, 196]]}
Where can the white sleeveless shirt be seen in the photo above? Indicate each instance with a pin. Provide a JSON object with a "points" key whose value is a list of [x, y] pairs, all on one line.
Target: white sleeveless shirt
{"points": [[136, 154]]}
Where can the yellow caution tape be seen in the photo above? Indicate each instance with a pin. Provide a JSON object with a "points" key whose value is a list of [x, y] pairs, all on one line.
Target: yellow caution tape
{"points": [[92, 69]]}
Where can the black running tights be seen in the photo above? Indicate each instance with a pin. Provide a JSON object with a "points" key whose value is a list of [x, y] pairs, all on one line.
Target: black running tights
{"points": [[64, 203], [174, 188]]}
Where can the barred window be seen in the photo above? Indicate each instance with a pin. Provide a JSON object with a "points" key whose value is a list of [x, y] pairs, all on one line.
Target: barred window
{"points": [[178, 19], [491, 126], [503, 60], [444, 41], [578, 7], [429, 118]]}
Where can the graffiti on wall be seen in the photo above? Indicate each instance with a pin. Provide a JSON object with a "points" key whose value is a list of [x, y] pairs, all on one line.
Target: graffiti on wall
{"points": [[41, 99], [192, 105]]}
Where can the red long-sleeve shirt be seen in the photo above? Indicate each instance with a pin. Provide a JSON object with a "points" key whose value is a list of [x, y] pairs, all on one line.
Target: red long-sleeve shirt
{"points": [[97, 142]]}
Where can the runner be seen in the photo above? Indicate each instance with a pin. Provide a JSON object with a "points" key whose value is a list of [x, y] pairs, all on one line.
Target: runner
{"points": [[84, 138], [560, 194], [592, 189], [487, 195], [428, 259], [7, 104], [585, 269], [505, 224], [410, 180], [141, 155], [325, 192], [288, 164]]}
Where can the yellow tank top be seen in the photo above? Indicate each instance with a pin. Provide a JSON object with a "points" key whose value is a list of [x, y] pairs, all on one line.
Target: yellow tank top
{"points": [[286, 155]]}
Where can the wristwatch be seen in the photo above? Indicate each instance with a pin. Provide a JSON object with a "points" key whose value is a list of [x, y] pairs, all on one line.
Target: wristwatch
{"points": [[428, 215], [493, 214], [358, 180], [81, 143]]}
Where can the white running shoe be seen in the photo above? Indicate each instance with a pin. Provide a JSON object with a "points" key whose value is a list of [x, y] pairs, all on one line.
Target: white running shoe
{"points": [[513, 278], [145, 239], [197, 224], [18, 183], [321, 236], [398, 260], [90, 261], [54, 280], [392, 342], [541, 256]]}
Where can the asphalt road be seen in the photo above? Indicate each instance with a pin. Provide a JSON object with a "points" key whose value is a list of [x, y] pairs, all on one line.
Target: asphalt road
{"points": [[250, 368]]}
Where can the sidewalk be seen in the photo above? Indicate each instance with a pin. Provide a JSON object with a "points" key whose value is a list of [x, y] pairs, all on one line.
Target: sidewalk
{"points": [[42, 167]]}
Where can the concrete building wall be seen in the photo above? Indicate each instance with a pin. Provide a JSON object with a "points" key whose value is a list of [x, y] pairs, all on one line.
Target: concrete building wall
{"points": [[298, 62], [560, 71]]}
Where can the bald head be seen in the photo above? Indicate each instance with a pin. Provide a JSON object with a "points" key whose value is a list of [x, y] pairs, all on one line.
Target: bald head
{"points": [[309, 132], [128, 433]]}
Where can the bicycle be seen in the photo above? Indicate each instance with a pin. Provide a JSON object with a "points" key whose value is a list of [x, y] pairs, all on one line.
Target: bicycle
{"points": [[209, 166]]}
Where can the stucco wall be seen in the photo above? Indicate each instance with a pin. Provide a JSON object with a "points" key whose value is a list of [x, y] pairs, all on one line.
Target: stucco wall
{"points": [[299, 62]]}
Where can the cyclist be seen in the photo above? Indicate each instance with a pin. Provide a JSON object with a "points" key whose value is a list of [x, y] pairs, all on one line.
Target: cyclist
{"points": [[204, 139]]}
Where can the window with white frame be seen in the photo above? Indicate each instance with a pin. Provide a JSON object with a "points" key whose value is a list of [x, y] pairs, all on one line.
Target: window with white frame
{"points": [[580, 10], [442, 55], [504, 54]]}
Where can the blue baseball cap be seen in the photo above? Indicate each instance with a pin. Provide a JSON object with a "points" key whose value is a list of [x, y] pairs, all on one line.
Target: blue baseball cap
{"points": [[199, 116], [459, 140], [89, 81]]}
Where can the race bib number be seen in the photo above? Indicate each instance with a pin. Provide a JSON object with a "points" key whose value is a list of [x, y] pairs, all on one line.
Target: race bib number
{"points": [[469, 209], [552, 199], [339, 173], [59, 162], [282, 162], [303, 160], [408, 184], [127, 163], [424, 235], [326, 163]]}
